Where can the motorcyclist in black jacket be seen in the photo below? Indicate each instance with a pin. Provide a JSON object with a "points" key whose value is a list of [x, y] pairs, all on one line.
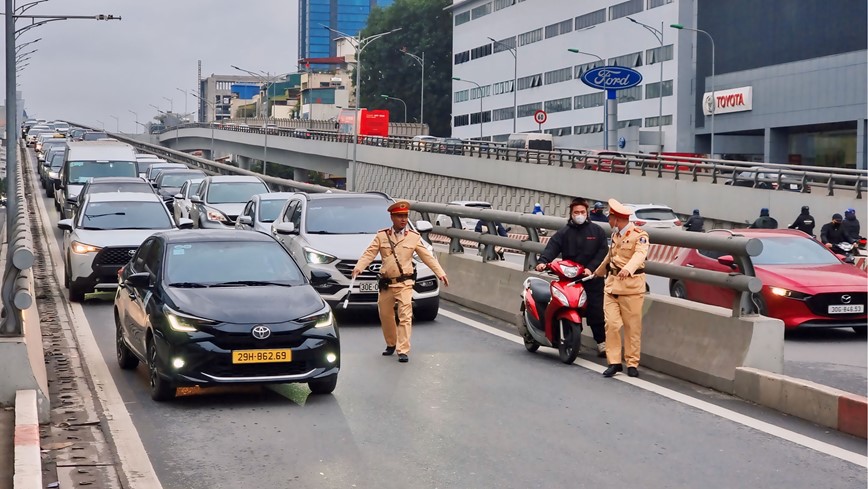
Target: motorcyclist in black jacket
{"points": [[851, 224], [804, 222], [833, 233], [583, 242], [695, 222]]}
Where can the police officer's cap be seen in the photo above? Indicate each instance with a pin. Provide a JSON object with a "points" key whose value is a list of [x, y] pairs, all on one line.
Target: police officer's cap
{"points": [[399, 207], [618, 209]]}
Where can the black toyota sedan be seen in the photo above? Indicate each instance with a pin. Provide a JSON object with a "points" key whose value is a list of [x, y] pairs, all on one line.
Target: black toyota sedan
{"points": [[210, 307]]}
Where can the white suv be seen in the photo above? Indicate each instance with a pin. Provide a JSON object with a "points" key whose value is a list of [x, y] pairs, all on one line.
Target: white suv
{"points": [[104, 234], [653, 216], [330, 231]]}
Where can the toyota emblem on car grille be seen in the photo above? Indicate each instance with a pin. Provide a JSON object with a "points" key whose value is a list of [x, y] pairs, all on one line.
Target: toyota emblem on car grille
{"points": [[845, 299], [375, 267], [261, 332]]}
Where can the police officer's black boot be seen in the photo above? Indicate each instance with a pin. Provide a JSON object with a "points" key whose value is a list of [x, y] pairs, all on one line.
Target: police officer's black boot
{"points": [[612, 370], [388, 351]]}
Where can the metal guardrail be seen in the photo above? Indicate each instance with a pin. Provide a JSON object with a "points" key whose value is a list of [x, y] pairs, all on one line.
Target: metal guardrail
{"points": [[739, 247], [17, 294], [727, 172]]}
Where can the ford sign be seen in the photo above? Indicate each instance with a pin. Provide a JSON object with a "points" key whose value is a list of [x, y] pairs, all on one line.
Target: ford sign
{"points": [[612, 78]]}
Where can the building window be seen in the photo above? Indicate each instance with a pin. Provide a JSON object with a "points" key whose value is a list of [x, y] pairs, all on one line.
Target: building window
{"points": [[461, 120], [504, 44], [474, 117], [502, 4], [652, 121], [588, 128], [631, 60], [535, 35], [503, 87], [595, 99], [663, 53], [581, 69], [657, 3], [557, 76], [559, 28], [527, 110], [475, 93], [558, 105], [462, 57], [593, 18], [624, 9], [481, 11], [630, 94], [481, 51], [630, 123], [461, 96], [560, 131], [502, 114], [532, 81], [652, 90], [462, 18]]}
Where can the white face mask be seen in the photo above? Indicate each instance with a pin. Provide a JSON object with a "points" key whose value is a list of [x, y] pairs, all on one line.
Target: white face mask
{"points": [[580, 219]]}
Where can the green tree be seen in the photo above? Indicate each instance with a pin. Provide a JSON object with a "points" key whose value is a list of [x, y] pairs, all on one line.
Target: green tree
{"points": [[425, 27]]}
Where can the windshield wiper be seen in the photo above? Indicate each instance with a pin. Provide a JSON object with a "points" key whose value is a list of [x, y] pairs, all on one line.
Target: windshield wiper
{"points": [[189, 285], [91, 228], [252, 283], [91, 216], [321, 232], [140, 227]]}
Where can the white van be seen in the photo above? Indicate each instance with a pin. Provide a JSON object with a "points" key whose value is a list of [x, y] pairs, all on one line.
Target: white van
{"points": [[86, 160], [532, 140]]}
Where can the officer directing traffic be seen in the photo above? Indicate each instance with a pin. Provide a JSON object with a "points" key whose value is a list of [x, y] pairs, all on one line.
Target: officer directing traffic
{"points": [[396, 246], [624, 269]]}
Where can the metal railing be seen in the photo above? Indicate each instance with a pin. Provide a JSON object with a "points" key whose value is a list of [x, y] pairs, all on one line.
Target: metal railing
{"points": [[769, 176], [17, 294]]}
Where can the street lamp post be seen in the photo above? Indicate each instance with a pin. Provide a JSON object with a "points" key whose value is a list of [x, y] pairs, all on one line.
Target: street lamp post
{"points": [[480, 101], [658, 34], [713, 99], [210, 123], [360, 45], [101, 124], [171, 104], [605, 113], [267, 80], [399, 100], [514, 52], [421, 61], [117, 123], [185, 100], [136, 119]]}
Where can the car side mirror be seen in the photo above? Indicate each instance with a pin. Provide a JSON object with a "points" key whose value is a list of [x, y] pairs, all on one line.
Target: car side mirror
{"points": [[65, 225], [195, 199], [185, 223], [141, 280], [424, 226], [727, 261], [285, 228], [179, 196], [246, 220], [319, 277]]}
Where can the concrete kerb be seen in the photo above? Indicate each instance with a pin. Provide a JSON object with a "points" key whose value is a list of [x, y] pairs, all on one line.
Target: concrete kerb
{"points": [[28, 461]]}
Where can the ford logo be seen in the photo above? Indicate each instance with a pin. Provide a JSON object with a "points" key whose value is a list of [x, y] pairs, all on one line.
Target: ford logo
{"points": [[612, 78]]}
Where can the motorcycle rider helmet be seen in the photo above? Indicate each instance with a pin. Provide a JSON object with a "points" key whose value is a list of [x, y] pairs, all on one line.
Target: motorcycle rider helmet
{"points": [[598, 205], [851, 211], [805, 209]]}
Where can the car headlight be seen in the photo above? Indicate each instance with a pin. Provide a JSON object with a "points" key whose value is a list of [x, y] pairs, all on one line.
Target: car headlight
{"points": [[322, 318], [560, 296], [80, 248], [215, 216], [184, 323], [792, 294], [570, 272], [317, 257]]}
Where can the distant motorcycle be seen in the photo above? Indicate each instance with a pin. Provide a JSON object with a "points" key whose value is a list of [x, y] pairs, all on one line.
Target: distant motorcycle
{"points": [[847, 251]]}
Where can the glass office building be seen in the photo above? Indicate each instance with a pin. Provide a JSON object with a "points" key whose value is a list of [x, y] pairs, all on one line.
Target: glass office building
{"points": [[349, 16]]}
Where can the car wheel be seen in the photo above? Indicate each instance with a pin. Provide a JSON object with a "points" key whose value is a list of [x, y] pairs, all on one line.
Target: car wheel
{"points": [[161, 389], [56, 206], [678, 289], [323, 386], [428, 312], [126, 359], [66, 275], [49, 190], [76, 292]]}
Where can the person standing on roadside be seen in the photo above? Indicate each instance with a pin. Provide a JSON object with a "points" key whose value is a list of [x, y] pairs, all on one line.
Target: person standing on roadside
{"points": [[804, 222], [396, 246], [764, 221], [624, 269]]}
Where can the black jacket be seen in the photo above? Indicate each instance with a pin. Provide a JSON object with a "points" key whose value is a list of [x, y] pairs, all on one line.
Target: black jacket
{"points": [[765, 222], [852, 226], [586, 244], [804, 223], [695, 223], [830, 233], [598, 216]]}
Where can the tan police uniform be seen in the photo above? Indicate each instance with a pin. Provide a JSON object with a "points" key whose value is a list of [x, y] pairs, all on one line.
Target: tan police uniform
{"points": [[397, 268], [622, 303]]}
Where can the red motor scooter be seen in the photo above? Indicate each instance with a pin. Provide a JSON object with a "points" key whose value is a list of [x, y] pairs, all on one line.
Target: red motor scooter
{"points": [[551, 312]]}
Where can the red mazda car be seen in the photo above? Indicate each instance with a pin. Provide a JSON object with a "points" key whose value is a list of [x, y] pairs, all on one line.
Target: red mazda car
{"points": [[804, 284]]}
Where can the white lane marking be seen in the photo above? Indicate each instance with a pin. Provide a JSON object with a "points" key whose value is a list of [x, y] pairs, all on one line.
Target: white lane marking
{"points": [[135, 465], [708, 407]]}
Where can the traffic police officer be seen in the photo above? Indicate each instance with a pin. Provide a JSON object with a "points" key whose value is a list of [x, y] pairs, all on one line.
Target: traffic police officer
{"points": [[396, 246], [624, 269]]}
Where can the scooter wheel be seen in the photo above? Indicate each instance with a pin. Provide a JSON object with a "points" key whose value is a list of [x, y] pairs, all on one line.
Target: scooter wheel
{"points": [[531, 345], [569, 346]]}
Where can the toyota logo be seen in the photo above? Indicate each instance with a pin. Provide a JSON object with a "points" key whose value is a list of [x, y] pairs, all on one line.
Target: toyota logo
{"points": [[261, 332], [845, 299], [375, 267]]}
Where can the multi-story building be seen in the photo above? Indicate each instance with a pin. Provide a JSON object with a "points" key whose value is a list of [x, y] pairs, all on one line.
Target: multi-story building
{"points": [[217, 90], [788, 88], [347, 16]]}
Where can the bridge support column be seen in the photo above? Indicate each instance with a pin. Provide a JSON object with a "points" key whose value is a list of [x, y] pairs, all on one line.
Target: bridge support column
{"points": [[862, 144], [775, 148], [243, 162]]}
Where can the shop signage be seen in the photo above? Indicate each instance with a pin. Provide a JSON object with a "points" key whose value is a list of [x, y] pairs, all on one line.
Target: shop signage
{"points": [[726, 101], [611, 78]]}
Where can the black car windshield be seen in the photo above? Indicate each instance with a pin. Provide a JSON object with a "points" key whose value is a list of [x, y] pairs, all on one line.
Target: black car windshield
{"points": [[81, 172], [216, 262], [177, 179], [144, 165], [234, 192], [93, 136], [269, 209], [655, 214], [102, 188], [125, 215], [347, 216], [788, 250]]}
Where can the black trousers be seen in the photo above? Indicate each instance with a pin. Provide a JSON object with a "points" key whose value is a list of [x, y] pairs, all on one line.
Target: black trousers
{"points": [[594, 308]]}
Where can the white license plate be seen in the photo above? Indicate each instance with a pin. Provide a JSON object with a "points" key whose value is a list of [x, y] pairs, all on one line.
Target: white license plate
{"points": [[369, 287], [847, 309]]}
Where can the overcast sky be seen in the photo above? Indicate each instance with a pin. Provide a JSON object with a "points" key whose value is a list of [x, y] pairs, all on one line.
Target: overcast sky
{"points": [[89, 71]]}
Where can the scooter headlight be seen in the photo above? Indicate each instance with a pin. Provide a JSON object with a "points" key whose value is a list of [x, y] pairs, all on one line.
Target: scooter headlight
{"points": [[560, 296], [583, 299], [570, 272]]}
